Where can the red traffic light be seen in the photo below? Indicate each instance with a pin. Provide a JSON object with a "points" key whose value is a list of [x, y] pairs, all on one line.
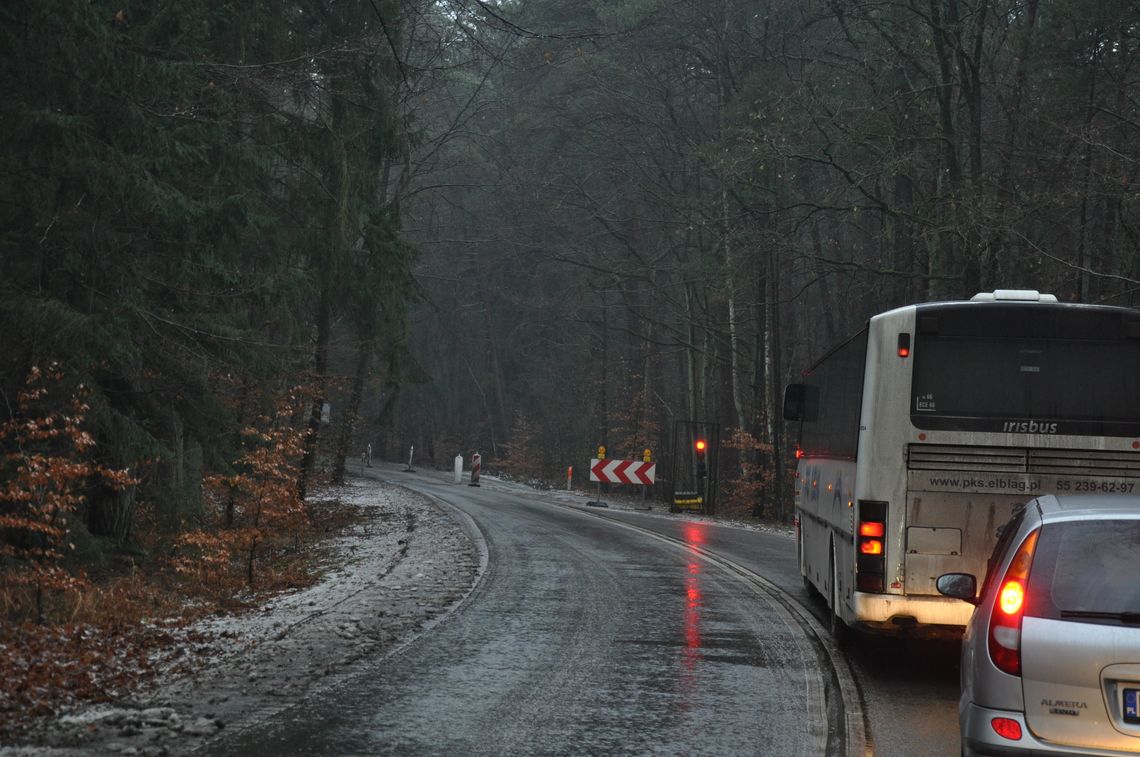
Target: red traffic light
{"points": [[700, 445]]}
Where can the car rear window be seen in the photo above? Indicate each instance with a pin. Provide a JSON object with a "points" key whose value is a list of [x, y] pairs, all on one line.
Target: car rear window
{"points": [[1087, 571]]}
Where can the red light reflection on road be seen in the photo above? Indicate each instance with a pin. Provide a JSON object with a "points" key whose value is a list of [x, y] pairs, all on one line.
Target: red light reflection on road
{"points": [[688, 687], [692, 613], [695, 536]]}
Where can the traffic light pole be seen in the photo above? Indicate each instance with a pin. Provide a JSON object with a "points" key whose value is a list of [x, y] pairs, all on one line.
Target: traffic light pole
{"points": [[696, 447]]}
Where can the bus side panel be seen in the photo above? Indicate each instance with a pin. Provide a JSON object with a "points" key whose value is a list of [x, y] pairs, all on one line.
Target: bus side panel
{"points": [[824, 494], [814, 536], [845, 575], [829, 434]]}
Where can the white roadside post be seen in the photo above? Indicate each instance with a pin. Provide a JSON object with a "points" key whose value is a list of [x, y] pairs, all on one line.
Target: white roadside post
{"points": [[458, 468]]}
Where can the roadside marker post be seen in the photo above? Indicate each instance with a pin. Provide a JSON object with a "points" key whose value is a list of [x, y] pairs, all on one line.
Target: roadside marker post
{"points": [[458, 469], [476, 465]]}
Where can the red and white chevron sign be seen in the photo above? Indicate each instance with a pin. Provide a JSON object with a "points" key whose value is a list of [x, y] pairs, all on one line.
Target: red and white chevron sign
{"points": [[622, 471]]}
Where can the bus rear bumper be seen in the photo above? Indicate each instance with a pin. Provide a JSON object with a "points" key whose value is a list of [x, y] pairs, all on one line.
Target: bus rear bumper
{"points": [[926, 617]]}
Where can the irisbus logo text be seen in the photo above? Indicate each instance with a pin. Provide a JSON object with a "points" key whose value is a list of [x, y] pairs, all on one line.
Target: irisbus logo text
{"points": [[1029, 427]]}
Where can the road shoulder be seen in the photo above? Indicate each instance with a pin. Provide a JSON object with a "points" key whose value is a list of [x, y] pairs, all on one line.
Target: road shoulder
{"points": [[395, 575]]}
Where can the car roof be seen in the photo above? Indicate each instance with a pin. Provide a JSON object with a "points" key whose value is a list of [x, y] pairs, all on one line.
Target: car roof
{"points": [[1053, 507]]}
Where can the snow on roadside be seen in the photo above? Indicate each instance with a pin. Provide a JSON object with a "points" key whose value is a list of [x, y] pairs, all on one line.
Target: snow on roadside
{"points": [[390, 576], [369, 550]]}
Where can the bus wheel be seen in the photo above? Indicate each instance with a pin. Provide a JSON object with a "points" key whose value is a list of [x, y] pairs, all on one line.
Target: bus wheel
{"points": [[836, 625], [809, 587]]}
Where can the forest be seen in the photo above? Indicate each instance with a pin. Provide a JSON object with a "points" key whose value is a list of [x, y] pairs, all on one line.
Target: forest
{"points": [[245, 241], [656, 212]]}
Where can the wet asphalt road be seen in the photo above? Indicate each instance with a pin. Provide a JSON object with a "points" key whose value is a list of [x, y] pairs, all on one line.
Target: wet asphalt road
{"points": [[909, 688], [584, 637], [581, 638]]}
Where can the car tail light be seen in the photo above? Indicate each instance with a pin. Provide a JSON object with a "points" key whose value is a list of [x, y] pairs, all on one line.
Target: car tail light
{"points": [[1007, 728], [870, 558], [1008, 610]]}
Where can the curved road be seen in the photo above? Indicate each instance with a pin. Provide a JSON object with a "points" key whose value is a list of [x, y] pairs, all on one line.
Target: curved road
{"points": [[909, 688], [583, 637]]}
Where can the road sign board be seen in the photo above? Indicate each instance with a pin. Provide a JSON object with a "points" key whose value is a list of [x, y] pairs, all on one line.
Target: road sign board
{"points": [[622, 472]]}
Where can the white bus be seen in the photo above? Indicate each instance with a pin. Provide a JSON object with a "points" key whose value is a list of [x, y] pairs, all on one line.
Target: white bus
{"points": [[920, 434]]}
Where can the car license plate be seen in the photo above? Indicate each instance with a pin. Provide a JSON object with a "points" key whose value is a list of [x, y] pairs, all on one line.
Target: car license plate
{"points": [[1132, 706]]}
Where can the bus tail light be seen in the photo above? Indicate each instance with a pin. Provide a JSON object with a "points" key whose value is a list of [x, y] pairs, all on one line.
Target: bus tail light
{"points": [[870, 546], [872, 528], [870, 557], [1009, 608]]}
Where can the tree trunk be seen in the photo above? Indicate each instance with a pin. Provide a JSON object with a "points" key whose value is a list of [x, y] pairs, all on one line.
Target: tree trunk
{"points": [[352, 412], [1002, 260], [946, 267], [320, 395], [1084, 261], [501, 421]]}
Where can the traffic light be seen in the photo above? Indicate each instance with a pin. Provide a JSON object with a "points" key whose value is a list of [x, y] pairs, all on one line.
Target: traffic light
{"points": [[702, 468], [601, 453]]}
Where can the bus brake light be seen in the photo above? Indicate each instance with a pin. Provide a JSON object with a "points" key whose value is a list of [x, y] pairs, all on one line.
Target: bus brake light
{"points": [[871, 528], [871, 547], [870, 558], [904, 345]]}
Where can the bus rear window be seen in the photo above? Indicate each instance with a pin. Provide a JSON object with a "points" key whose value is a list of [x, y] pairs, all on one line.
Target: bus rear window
{"points": [[1026, 385]]}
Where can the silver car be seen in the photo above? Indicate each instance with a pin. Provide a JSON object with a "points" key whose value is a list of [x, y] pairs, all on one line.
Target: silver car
{"points": [[1051, 655]]}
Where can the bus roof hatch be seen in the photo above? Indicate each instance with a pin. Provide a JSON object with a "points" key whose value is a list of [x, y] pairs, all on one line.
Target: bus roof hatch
{"points": [[1013, 295]]}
